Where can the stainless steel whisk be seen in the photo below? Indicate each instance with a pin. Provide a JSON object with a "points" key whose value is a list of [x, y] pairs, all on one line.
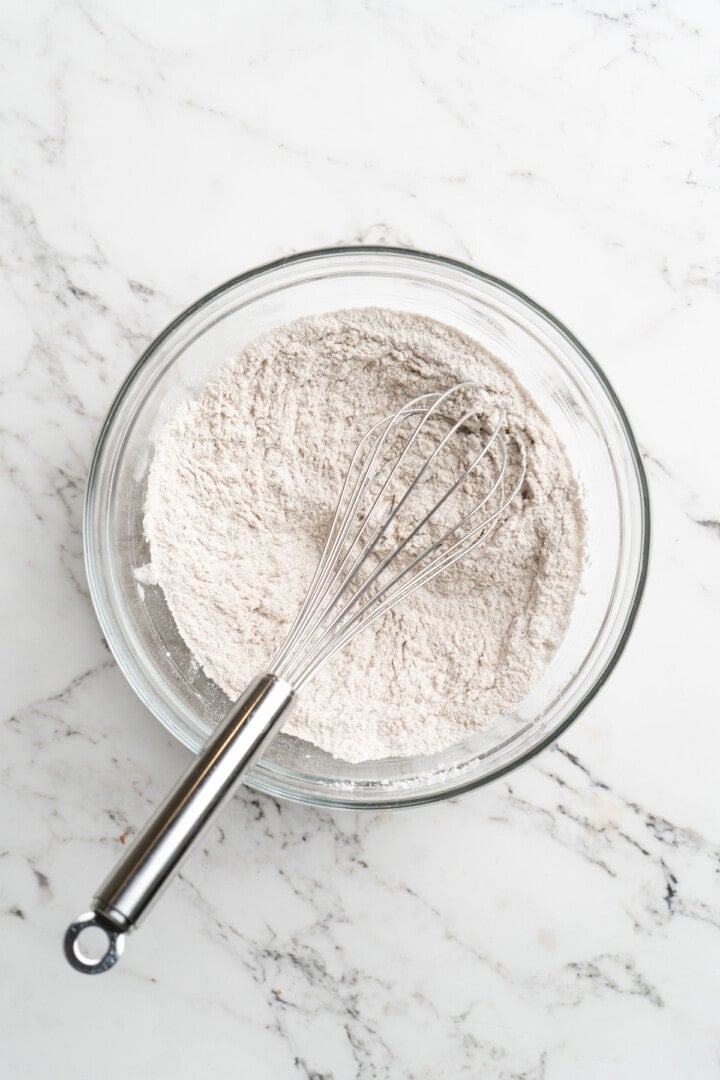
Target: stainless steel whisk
{"points": [[364, 570]]}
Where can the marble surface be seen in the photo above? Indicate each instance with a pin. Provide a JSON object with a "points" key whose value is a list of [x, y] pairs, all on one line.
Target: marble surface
{"points": [[563, 923]]}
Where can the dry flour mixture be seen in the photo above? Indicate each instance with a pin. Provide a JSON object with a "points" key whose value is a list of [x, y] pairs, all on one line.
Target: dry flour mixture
{"points": [[240, 495]]}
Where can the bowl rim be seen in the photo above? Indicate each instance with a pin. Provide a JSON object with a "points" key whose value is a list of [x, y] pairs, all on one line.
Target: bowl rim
{"points": [[330, 798]]}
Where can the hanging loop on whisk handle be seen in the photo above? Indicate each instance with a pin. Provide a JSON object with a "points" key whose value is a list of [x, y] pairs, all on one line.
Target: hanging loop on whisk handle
{"points": [[156, 854]]}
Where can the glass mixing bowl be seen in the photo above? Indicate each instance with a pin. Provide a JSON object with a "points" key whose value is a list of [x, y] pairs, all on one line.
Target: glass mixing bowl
{"points": [[565, 381]]}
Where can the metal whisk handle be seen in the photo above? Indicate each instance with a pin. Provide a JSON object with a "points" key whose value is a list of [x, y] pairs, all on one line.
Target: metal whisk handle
{"points": [[156, 854]]}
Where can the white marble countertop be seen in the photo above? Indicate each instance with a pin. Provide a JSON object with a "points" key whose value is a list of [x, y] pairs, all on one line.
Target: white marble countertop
{"points": [[563, 923]]}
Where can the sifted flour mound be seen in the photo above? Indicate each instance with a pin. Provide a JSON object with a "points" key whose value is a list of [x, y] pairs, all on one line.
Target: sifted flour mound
{"points": [[240, 496]]}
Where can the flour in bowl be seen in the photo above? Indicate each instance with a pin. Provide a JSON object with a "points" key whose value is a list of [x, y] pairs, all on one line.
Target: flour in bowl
{"points": [[241, 492]]}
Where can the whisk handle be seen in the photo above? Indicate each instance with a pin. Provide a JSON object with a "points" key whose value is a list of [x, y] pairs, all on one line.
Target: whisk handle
{"points": [[156, 854]]}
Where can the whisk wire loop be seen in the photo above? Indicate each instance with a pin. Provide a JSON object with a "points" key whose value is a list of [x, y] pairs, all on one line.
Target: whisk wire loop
{"points": [[340, 601]]}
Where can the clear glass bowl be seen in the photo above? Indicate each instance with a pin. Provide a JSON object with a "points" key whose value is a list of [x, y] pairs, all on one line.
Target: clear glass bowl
{"points": [[552, 365]]}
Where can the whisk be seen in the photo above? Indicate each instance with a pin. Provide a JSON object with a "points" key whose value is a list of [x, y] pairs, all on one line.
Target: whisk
{"points": [[426, 486]]}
